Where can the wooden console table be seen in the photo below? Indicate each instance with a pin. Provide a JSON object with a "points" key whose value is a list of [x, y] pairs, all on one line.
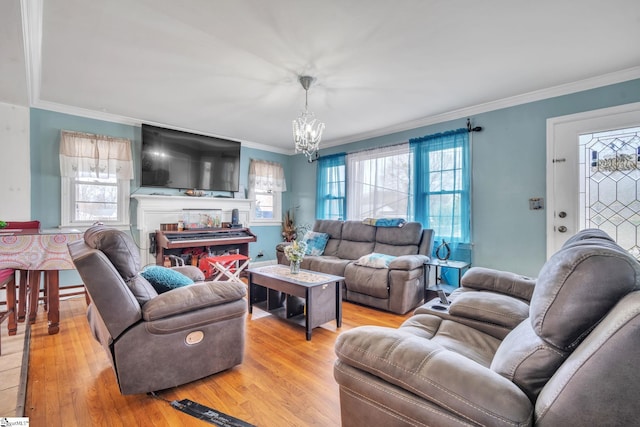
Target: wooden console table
{"points": [[36, 252]]}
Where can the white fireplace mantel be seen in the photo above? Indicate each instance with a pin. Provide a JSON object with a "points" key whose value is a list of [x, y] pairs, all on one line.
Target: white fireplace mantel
{"points": [[153, 210]]}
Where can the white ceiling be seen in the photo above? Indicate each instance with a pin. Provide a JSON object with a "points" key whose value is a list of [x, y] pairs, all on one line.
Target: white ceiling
{"points": [[230, 68]]}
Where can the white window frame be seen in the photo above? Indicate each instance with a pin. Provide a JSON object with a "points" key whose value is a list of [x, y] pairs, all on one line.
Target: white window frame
{"points": [[68, 192], [85, 155], [277, 208], [269, 177]]}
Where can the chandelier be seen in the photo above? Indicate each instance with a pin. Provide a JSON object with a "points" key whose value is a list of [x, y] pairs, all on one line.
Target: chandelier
{"points": [[307, 130]]}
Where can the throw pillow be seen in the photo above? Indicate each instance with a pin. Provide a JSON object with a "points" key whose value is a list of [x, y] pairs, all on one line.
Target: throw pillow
{"points": [[164, 279], [375, 260], [316, 242]]}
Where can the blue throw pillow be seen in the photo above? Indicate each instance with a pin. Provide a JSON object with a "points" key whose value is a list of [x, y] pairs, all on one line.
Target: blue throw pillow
{"points": [[384, 222], [164, 279], [316, 242]]}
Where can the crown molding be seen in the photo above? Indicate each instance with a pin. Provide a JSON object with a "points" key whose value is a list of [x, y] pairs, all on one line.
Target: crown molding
{"points": [[115, 118]]}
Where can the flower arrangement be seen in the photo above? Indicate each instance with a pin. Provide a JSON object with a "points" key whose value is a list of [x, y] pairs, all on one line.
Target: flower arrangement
{"points": [[2, 224], [295, 251]]}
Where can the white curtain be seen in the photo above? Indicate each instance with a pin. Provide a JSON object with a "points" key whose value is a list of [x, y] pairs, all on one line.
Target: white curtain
{"points": [[266, 176], [378, 183], [99, 155]]}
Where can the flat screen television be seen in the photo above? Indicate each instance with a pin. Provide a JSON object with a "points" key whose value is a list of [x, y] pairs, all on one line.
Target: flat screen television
{"points": [[183, 160]]}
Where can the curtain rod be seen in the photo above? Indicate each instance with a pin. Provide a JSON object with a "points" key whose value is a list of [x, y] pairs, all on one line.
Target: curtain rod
{"points": [[469, 129], [472, 129]]}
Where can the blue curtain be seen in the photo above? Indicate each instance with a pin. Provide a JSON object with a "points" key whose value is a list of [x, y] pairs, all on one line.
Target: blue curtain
{"points": [[331, 201], [441, 189]]}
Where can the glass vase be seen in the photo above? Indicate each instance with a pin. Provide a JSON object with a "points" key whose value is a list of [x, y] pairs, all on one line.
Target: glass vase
{"points": [[295, 267]]}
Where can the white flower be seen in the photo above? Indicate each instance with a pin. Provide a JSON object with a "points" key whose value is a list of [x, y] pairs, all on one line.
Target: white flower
{"points": [[295, 251]]}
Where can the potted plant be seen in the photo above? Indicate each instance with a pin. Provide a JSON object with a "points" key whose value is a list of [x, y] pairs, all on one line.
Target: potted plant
{"points": [[289, 229]]}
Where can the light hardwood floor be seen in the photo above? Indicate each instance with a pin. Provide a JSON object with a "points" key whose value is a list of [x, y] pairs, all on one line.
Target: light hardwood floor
{"points": [[283, 381]]}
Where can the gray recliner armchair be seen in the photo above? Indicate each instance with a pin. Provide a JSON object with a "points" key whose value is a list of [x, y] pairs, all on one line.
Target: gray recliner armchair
{"points": [[572, 361], [156, 341]]}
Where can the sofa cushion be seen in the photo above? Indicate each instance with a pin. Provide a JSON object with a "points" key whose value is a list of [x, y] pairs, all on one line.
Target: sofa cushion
{"points": [[575, 290], [164, 279], [578, 286], [118, 246], [333, 228], [316, 242], [399, 241], [527, 360], [325, 264], [141, 289], [121, 250], [375, 260], [358, 239], [373, 282]]}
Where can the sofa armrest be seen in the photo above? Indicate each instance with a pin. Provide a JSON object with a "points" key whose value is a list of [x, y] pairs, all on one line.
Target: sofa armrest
{"points": [[408, 262], [440, 376], [191, 298], [489, 307], [191, 271], [503, 282]]}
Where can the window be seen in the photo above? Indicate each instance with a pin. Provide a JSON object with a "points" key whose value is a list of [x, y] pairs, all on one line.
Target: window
{"points": [[96, 171], [441, 188], [331, 183], [427, 180], [378, 183], [266, 184]]}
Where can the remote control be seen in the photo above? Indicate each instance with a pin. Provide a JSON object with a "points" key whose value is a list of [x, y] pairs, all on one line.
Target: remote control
{"points": [[443, 297]]}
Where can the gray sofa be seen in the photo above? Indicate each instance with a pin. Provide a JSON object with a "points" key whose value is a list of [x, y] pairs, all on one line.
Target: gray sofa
{"points": [[572, 361], [398, 288], [157, 341]]}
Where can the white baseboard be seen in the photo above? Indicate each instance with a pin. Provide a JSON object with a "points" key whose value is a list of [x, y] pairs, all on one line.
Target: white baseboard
{"points": [[258, 264]]}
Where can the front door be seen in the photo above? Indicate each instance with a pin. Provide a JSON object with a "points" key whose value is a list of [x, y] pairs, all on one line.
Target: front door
{"points": [[593, 176]]}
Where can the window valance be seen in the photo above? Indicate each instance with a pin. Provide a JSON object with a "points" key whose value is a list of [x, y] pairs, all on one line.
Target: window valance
{"points": [[98, 155], [266, 176]]}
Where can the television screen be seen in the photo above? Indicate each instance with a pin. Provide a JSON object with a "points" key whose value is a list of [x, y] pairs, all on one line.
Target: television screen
{"points": [[183, 160]]}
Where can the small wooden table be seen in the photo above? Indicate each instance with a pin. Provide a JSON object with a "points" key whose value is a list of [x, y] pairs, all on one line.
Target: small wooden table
{"points": [[36, 251], [322, 294]]}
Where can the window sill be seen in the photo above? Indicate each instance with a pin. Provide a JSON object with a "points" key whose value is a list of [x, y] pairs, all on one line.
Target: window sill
{"points": [[265, 222], [85, 226]]}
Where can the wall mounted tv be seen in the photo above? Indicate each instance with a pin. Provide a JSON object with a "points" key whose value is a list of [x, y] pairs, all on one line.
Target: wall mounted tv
{"points": [[183, 160]]}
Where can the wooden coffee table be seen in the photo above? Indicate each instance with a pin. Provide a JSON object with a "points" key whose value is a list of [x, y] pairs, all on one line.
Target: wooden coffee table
{"points": [[309, 297]]}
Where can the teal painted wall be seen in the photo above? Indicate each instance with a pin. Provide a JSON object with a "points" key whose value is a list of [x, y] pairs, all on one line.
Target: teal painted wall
{"points": [[45, 127], [509, 158]]}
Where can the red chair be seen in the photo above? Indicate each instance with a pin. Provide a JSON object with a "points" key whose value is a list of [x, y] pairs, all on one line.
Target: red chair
{"points": [[8, 282], [23, 287]]}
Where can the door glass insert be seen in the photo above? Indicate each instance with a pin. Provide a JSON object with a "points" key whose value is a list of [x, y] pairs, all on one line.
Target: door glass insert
{"points": [[610, 185]]}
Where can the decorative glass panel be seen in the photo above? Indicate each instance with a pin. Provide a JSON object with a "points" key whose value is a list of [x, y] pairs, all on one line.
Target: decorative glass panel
{"points": [[610, 187]]}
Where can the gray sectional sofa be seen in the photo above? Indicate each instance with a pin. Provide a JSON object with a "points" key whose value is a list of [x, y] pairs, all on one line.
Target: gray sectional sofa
{"points": [[397, 287], [572, 361]]}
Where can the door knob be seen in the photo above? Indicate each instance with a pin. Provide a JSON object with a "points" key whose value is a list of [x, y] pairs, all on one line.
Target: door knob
{"points": [[562, 229]]}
